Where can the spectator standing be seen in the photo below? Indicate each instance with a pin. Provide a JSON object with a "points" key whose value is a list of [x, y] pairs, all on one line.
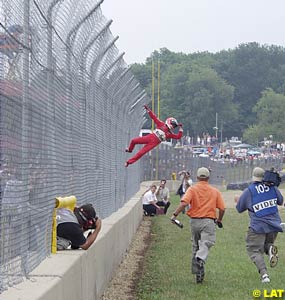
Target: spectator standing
{"points": [[261, 201], [185, 184], [204, 200], [163, 196]]}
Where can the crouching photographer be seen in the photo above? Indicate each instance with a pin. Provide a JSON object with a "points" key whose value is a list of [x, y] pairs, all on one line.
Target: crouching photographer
{"points": [[72, 225]]}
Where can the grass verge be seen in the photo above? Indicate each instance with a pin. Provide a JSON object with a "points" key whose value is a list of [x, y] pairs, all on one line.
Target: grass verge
{"points": [[229, 272]]}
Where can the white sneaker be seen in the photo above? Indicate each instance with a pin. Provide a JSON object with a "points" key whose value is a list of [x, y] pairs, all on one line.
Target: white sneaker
{"points": [[265, 278], [273, 258]]}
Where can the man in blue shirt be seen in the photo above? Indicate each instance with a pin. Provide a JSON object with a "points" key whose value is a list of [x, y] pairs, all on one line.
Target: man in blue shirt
{"points": [[261, 200]]}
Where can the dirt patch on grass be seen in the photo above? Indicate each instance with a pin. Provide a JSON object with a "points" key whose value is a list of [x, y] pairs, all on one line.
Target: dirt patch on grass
{"points": [[125, 279]]}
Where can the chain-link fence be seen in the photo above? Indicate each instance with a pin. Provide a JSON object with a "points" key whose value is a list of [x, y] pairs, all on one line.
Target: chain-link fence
{"points": [[69, 105], [166, 162]]}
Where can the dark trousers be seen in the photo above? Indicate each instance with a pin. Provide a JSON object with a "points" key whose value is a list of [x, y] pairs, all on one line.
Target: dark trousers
{"points": [[164, 205], [150, 209]]}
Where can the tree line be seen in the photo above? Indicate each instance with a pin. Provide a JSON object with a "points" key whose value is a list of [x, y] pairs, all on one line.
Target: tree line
{"points": [[245, 86]]}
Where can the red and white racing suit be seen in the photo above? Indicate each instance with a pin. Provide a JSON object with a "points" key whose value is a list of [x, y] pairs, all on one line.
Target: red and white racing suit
{"points": [[160, 134]]}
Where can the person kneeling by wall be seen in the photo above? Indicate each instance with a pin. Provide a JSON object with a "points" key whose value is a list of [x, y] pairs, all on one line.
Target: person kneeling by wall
{"points": [[149, 201], [71, 226]]}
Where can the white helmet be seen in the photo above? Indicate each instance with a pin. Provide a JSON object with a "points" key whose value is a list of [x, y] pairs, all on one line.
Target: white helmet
{"points": [[171, 123]]}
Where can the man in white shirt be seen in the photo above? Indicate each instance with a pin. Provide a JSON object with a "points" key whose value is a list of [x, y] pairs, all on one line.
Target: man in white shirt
{"points": [[149, 201]]}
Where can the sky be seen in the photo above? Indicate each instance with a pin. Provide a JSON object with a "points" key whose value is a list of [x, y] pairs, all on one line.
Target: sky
{"points": [[190, 26]]}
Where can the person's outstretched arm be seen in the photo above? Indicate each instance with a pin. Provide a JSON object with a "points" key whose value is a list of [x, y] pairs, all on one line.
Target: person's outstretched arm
{"points": [[92, 237], [178, 135], [153, 116]]}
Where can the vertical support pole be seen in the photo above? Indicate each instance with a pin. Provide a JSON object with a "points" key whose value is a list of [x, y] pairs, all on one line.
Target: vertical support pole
{"points": [[158, 89], [216, 128], [152, 93], [53, 238], [158, 115], [26, 75], [25, 121]]}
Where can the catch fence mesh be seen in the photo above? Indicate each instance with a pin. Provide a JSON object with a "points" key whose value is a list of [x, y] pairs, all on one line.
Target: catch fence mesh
{"points": [[68, 107]]}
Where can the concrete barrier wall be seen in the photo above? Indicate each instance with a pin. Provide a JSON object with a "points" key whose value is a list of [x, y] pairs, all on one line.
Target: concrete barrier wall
{"points": [[83, 275]]}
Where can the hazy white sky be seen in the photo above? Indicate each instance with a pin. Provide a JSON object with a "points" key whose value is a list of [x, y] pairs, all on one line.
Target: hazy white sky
{"points": [[193, 25]]}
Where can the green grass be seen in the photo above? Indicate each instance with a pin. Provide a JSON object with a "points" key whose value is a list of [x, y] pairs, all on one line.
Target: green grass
{"points": [[229, 272]]}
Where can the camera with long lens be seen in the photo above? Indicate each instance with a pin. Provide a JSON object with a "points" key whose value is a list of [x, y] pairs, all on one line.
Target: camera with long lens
{"points": [[271, 178], [87, 216], [90, 224]]}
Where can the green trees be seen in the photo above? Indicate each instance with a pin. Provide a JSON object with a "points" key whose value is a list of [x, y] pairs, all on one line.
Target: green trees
{"points": [[235, 83], [194, 96], [270, 118], [251, 68]]}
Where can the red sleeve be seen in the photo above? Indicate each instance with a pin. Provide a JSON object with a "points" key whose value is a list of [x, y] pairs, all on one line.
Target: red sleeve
{"points": [[176, 136], [155, 118]]}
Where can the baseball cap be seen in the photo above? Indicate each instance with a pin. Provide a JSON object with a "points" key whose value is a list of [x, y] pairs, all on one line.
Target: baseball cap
{"points": [[257, 174], [203, 173], [89, 211]]}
